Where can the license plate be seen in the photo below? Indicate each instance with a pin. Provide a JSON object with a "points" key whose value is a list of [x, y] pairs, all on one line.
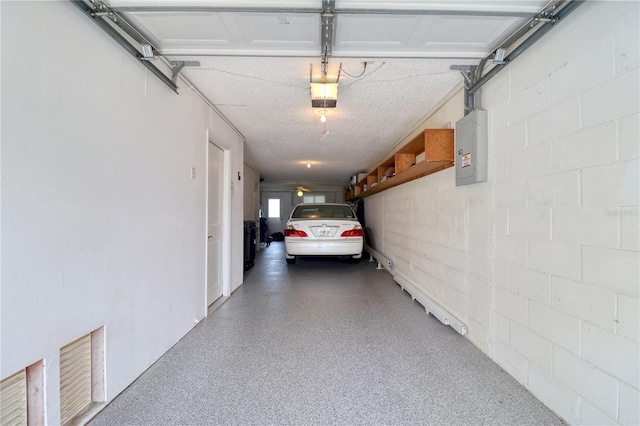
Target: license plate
{"points": [[323, 232]]}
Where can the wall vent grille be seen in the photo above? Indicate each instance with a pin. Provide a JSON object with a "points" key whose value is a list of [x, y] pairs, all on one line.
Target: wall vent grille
{"points": [[75, 378], [13, 399]]}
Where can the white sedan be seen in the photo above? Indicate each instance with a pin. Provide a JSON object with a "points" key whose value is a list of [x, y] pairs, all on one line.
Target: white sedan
{"points": [[323, 230]]}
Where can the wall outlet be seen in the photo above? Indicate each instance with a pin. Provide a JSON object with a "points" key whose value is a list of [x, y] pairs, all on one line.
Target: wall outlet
{"points": [[193, 173]]}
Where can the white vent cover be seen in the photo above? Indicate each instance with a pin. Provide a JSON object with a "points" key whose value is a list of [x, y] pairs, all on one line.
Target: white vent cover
{"points": [[13, 399], [75, 378]]}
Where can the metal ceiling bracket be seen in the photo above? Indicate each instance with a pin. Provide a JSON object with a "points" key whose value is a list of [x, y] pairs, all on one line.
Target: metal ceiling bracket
{"points": [[467, 71], [469, 74], [176, 67]]}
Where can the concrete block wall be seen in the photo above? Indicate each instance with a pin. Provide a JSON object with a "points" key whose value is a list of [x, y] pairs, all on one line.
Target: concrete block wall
{"points": [[541, 262]]}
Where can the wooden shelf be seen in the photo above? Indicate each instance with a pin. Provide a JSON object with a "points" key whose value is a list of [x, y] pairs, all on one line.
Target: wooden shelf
{"points": [[419, 170], [437, 146], [404, 162]]}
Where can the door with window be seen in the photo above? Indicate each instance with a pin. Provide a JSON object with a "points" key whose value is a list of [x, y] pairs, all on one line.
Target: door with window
{"points": [[276, 206]]}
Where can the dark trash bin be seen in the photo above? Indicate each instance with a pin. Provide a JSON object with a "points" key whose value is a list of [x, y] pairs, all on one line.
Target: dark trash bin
{"points": [[264, 231], [249, 244]]}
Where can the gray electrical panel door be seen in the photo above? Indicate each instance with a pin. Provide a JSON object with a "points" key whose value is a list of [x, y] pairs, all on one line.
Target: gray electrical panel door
{"points": [[471, 148]]}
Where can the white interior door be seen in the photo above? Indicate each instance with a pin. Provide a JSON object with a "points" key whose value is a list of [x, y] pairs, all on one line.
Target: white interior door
{"points": [[214, 215]]}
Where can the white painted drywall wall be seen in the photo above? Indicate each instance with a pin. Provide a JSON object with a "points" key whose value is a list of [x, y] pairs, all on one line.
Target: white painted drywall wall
{"points": [[251, 194], [101, 221], [541, 262]]}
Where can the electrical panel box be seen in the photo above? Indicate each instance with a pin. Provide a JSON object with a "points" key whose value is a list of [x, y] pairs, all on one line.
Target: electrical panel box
{"points": [[471, 148]]}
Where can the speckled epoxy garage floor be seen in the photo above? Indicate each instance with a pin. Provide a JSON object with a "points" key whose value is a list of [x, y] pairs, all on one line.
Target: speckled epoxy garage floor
{"points": [[323, 342]]}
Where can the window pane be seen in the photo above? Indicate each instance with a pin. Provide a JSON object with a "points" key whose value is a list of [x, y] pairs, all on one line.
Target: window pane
{"points": [[313, 199], [273, 207], [322, 211]]}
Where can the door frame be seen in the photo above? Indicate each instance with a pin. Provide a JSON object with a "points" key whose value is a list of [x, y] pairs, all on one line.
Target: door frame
{"points": [[225, 235], [226, 228]]}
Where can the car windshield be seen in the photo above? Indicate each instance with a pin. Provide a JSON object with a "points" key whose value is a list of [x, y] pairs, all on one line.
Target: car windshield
{"points": [[325, 211]]}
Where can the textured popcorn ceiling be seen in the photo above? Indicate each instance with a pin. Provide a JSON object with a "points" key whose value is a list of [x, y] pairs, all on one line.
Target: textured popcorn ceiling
{"points": [[255, 69], [268, 101]]}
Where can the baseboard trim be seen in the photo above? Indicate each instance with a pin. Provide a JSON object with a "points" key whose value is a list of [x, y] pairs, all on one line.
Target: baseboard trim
{"points": [[429, 304]]}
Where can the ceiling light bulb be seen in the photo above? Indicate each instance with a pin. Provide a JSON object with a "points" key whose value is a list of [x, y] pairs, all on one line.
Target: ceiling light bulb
{"points": [[300, 193], [308, 165], [323, 118]]}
